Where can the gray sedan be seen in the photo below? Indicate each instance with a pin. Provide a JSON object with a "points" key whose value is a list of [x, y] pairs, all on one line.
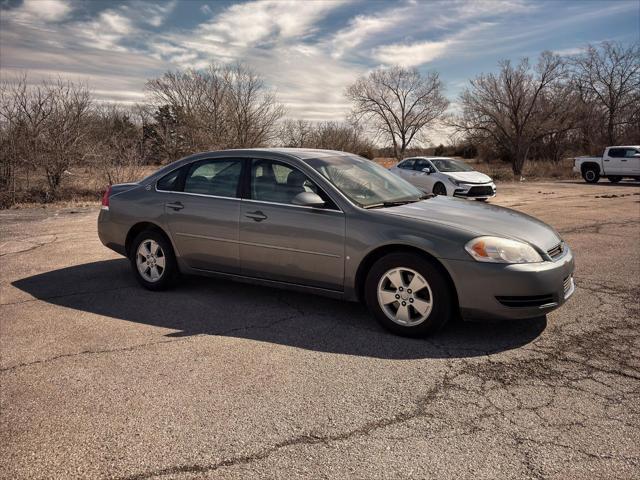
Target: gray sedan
{"points": [[336, 224]]}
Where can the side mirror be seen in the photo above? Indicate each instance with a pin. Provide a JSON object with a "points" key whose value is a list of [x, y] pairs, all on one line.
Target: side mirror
{"points": [[636, 155], [427, 170], [308, 199]]}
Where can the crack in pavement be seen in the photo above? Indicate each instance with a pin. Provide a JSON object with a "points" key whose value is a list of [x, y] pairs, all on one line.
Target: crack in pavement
{"points": [[73, 294], [30, 249], [144, 345], [88, 352], [597, 226], [419, 410]]}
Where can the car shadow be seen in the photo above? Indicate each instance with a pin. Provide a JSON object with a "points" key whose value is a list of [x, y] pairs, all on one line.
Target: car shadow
{"points": [[216, 307]]}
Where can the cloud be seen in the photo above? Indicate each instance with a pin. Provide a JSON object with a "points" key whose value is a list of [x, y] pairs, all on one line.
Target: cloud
{"points": [[361, 28], [246, 24], [566, 52], [40, 11], [309, 51], [411, 55]]}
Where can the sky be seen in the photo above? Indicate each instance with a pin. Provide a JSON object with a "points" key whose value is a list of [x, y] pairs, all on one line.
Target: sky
{"points": [[308, 51]]}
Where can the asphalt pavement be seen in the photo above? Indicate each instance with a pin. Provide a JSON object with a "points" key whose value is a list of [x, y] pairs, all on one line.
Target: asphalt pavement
{"points": [[102, 379]]}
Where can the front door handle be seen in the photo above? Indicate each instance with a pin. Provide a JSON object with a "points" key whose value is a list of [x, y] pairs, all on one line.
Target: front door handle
{"points": [[257, 216], [176, 206]]}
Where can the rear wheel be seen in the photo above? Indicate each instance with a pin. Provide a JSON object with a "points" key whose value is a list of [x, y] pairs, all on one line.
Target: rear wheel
{"points": [[408, 295], [614, 179], [439, 189], [591, 175], [153, 261]]}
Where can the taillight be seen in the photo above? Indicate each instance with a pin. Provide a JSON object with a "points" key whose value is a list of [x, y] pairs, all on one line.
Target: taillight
{"points": [[105, 198]]}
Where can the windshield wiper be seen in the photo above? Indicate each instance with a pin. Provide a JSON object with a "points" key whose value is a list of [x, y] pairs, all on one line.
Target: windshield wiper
{"points": [[399, 202]]}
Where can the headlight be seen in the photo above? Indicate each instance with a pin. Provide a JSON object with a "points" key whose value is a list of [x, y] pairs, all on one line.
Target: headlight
{"points": [[455, 182], [501, 250]]}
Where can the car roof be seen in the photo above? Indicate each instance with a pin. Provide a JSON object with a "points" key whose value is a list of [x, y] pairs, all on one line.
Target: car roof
{"points": [[428, 158], [300, 153], [273, 153], [624, 146]]}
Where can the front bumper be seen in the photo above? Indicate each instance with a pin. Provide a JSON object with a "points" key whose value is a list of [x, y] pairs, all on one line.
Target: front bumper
{"points": [[500, 291], [468, 190]]}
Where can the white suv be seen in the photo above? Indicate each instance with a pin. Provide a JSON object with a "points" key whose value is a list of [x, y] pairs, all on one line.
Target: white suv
{"points": [[445, 176]]}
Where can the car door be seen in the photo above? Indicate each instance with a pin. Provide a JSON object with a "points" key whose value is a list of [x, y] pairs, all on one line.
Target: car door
{"points": [[421, 179], [286, 242], [631, 162], [203, 216], [614, 163], [405, 169]]}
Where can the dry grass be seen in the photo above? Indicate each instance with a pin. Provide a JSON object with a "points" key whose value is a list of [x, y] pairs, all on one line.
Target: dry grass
{"points": [[79, 186], [502, 172], [84, 186]]}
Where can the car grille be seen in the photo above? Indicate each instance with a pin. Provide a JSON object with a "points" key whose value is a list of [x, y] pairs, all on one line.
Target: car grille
{"points": [[556, 251], [478, 191], [527, 301]]}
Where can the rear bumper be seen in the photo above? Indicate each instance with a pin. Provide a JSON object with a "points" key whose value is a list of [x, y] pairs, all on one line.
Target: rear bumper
{"points": [[497, 291], [110, 233]]}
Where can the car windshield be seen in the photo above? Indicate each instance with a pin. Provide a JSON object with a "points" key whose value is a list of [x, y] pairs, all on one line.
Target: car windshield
{"points": [[450, 165], [365, 182]]}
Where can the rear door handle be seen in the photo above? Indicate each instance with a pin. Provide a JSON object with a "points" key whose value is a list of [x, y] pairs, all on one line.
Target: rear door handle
{"points": [[176, 206], [624, 159], [257, 216]]}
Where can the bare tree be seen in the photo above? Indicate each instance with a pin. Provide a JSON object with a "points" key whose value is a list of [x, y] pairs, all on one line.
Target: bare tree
{"points": [[254, 111], [46, 126], [399, 102], [215, 108], [199, 101], [517, 107], [65, 130], [608, 80], [115, 144], [295, 133]]}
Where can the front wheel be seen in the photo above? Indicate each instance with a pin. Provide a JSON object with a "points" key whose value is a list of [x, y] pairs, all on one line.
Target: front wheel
{"points": [[153, 261], [439, 189], [614, 179], [408, 295], [591, 175]]}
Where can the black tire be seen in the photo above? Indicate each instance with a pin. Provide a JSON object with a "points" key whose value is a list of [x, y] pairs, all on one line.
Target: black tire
{"points": [[591, 175], [614, 179], [439, 189], [442, 298], [482, 199], [169, 273]]}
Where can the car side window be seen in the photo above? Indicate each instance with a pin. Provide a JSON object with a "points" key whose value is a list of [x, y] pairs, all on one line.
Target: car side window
{"points": [[407, 164], [422, 164], [170, 182], [630, 152], [616, 152], [277, 182], [219, 178]]}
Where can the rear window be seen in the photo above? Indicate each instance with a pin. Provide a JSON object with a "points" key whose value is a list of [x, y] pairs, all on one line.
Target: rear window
{"points": [[170, 182]]}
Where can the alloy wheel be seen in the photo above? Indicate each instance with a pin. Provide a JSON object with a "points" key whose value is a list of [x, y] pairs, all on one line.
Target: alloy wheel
{"points": [[150, 260], [405, 296]]}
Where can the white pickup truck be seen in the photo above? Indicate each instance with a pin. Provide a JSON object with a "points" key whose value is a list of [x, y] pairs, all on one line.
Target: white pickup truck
{"points": [[615, 163]]}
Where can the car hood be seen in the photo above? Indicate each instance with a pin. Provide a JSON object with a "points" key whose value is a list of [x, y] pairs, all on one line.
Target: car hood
{"points": [[468, 177], [480, 219]]}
